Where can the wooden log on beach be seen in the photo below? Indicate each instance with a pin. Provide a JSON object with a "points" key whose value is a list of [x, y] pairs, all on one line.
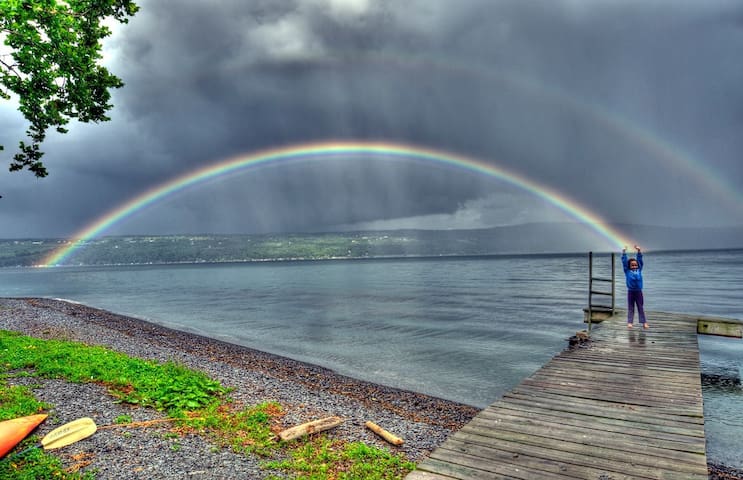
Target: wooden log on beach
{"points": [[310, 428], [393, 439]]}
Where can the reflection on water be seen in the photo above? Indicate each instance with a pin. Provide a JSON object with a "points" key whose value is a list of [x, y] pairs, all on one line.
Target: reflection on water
{"points": [[723, 399], [636, 337]]}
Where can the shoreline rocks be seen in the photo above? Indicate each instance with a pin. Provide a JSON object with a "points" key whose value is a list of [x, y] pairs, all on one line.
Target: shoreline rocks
{"points": [[306, 391]]}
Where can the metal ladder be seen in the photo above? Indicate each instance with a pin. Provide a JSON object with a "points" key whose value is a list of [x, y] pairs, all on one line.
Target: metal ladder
{"points": [[601, 291]]}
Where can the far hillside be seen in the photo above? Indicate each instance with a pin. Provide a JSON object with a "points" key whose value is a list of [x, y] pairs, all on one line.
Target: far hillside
{"points": [[542, 238]]}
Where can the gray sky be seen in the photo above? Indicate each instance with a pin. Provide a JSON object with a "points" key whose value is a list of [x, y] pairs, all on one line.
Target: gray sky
{"points": [[633, 109]]}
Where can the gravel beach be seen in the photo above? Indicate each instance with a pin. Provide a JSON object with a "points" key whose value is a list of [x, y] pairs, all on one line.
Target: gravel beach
{"points": [[307, 392]]}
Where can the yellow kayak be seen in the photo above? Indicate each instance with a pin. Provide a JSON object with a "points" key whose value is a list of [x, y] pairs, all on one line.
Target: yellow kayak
{"points": [[15, 430]]}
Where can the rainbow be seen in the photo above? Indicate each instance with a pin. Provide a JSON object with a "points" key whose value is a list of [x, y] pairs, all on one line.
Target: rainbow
{"points": [[309, 151]]}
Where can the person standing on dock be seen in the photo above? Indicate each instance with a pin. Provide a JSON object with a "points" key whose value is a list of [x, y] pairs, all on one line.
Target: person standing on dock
{"points": [[633, 277]]}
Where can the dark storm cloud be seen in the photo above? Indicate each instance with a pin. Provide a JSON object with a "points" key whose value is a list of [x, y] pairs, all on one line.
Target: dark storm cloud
{"points": [[592, 98]]}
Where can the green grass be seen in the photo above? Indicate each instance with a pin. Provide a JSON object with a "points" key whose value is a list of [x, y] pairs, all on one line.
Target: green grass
{"points": [[197, 404], [164, 386], [246, 430], [38, 465], [18, 401], [320, 458]]}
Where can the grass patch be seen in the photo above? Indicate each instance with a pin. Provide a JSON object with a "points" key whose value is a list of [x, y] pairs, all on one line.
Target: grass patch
{"points": [[248, 430], [320, 458], [164, 386], [37, 464], [197, 404], [16, 401]]}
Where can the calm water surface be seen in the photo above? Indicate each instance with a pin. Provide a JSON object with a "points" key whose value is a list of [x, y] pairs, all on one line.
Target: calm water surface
{"points": [[466, 329]]}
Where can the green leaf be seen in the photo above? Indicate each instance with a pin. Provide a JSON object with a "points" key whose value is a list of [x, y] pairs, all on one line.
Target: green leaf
{"points": [[54, 68]]}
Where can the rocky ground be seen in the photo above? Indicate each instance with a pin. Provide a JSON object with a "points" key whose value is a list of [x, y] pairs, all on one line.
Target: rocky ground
{"points": [[306, 392]]}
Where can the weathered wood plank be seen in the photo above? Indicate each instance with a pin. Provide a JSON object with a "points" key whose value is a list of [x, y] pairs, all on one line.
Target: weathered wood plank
{"points": [[677, 441], [613, 410], [621, 368], [674, 407], [570, 397], [623, 386], [649, 457], [554, 461], [622, 371], [594, 439], [452, 469], [629, 405], [720, 327], [583, 368], [518, 470], [421, 475], [639, 426], [622, 469], [629, 462]]}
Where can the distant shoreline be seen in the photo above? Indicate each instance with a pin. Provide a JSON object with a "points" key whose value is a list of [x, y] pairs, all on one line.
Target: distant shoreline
{"points": [[546, 238], [392, 258], [328, 260]]}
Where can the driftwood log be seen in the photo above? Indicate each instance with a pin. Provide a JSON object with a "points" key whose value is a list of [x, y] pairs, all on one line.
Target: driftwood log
{"points": [[310, 428], [393, 439]]}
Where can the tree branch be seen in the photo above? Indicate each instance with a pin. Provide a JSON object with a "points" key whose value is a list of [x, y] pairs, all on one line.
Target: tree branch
{"points": [[55, 70]]}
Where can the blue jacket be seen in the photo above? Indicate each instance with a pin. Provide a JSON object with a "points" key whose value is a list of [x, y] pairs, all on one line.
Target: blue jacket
{"points": [[633, 277]]}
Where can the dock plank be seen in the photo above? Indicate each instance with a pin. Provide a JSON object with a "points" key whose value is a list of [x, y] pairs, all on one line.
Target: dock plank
{"points": [[585, 428], [565, 460], [628, 405]]}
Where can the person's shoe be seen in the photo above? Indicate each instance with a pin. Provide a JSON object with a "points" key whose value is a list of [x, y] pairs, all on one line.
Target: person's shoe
{"points": [[629, 325]]}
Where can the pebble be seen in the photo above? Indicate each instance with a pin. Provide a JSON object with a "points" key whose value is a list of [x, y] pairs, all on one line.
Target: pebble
{"points": [[306, 392]]}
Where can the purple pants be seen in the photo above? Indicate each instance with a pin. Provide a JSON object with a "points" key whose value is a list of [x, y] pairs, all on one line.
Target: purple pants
{"points": [[634, 297]]}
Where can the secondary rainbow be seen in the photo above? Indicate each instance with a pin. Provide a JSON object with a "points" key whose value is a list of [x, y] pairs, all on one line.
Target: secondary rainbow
{"points": [[320, 150], [673, 156]]}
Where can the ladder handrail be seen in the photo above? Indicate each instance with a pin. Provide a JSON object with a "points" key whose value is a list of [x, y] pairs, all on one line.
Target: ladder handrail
{"points": [[592, 292]]}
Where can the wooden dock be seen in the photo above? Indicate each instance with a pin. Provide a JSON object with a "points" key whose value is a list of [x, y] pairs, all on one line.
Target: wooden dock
{"points": [[627, 406]]}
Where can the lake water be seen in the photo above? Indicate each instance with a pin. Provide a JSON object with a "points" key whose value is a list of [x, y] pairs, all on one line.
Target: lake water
{"points": [[465, 329]]}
